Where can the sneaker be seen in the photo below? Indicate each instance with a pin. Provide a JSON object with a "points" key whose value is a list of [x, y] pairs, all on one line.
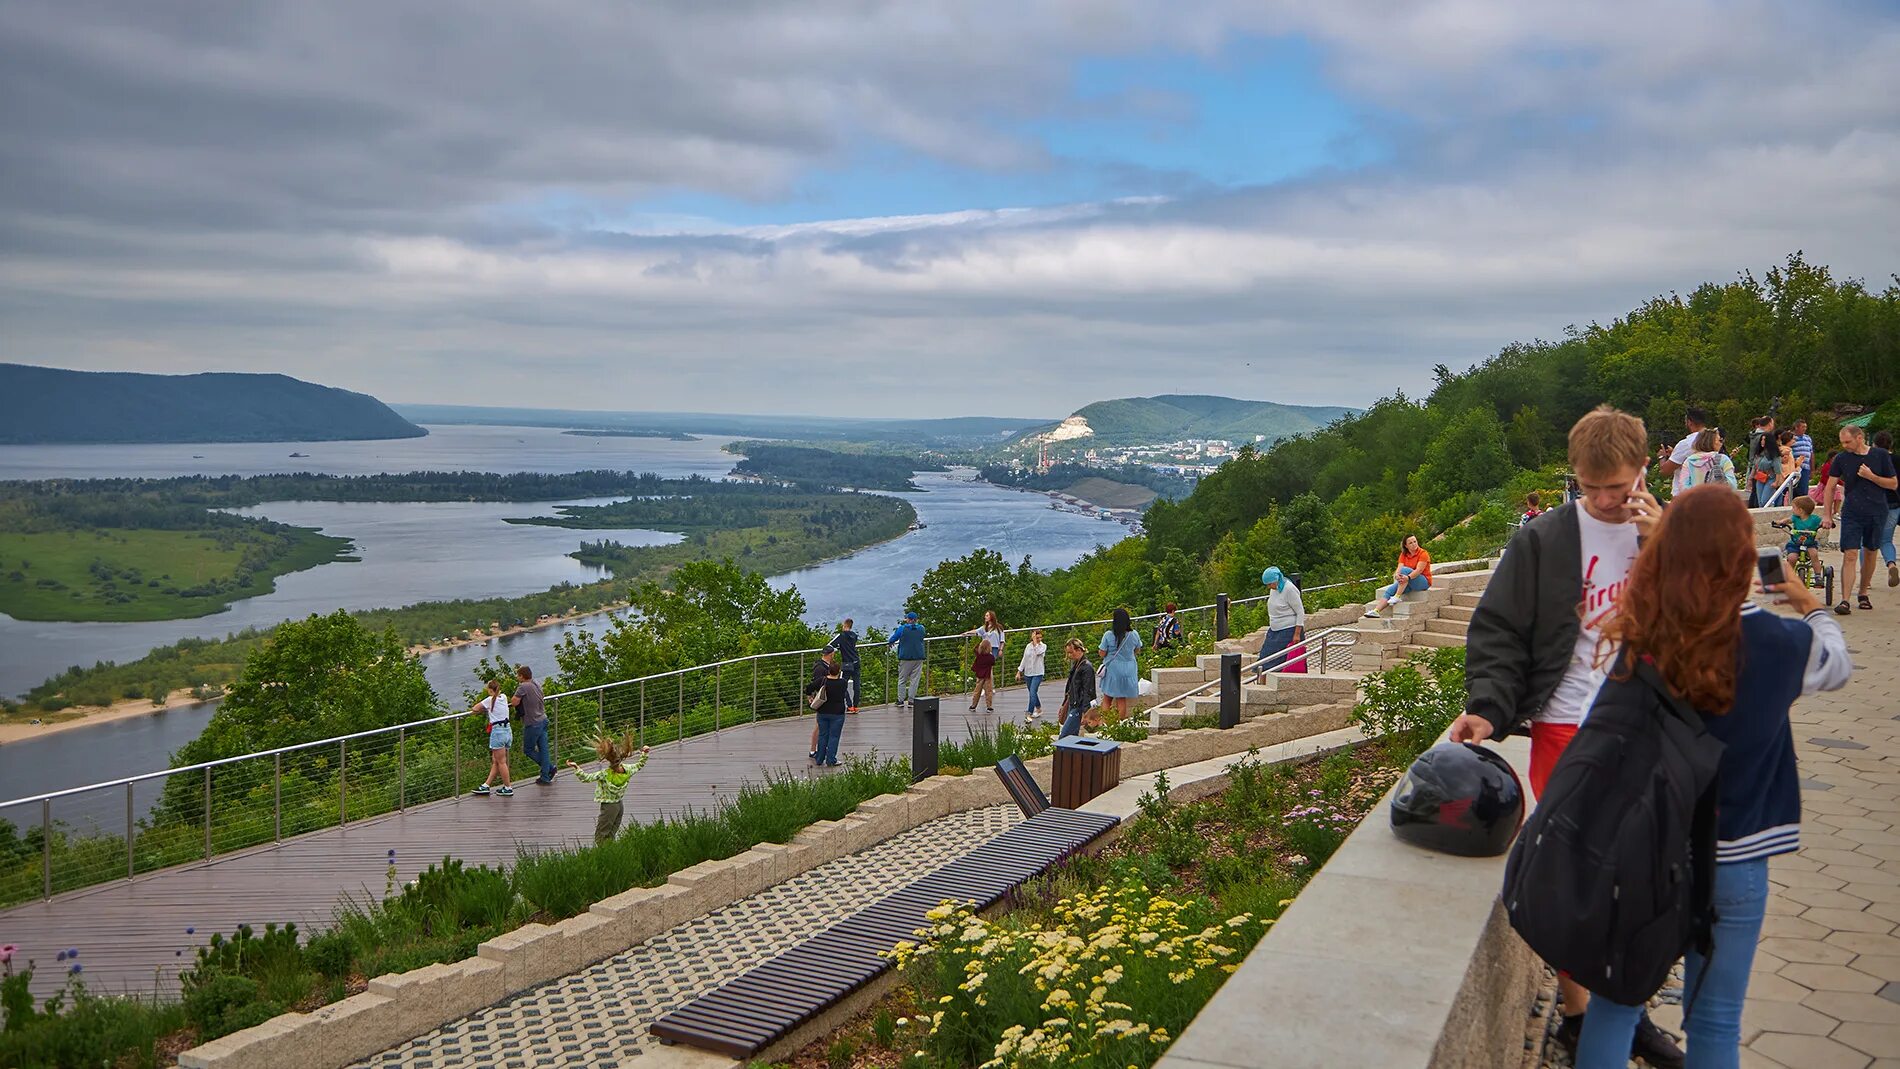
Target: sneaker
{"points": [[1371, 614], [1893, 574], [505, 792], [1653, 1046], [831, 764], [813, 755], [1843, 609], [1569, 1030], [483, 789]]}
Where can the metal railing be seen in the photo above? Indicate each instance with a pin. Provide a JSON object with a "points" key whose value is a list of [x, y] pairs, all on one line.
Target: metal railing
{"points": [[122, 827]]}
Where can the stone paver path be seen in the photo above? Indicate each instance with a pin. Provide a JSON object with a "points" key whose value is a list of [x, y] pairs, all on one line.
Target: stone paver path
{"points": [[1825, 993], [599, 1016]]}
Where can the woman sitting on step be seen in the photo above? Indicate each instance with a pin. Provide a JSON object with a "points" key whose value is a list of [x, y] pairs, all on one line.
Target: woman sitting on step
{"points": [[1414, 573]]}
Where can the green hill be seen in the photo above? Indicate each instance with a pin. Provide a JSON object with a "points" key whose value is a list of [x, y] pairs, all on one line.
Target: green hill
{"points": [[1172, 417], [57, 405]]}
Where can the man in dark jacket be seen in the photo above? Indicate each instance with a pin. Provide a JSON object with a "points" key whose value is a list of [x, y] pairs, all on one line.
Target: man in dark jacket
{"points": [[1531, 650]]}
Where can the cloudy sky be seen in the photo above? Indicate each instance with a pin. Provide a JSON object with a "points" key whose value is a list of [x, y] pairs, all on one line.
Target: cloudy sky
{"points": [[910, 207]]}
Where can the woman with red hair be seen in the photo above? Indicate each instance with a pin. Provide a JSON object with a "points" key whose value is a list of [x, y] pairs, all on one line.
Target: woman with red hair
{"points": [[1686, 610]]}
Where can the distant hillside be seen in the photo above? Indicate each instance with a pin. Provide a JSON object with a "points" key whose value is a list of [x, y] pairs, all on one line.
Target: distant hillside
{"points": [[1145, 420], [55, 405]]}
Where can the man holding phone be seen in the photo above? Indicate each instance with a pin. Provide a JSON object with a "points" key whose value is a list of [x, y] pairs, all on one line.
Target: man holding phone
{"points": [[1531, 652]]}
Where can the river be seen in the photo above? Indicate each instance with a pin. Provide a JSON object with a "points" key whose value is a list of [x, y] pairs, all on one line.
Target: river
{"points": [[415, 552]]}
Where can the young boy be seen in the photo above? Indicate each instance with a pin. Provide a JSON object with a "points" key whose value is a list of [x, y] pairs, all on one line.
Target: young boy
{"points": [[610, 781], [1804, 528]]}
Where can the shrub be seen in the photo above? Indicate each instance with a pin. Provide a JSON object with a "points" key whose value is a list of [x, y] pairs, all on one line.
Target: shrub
{"points": [[211, 997], [1414, 702]]}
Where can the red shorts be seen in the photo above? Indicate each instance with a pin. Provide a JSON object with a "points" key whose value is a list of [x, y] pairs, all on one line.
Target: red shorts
{"points": [[1547, 745]]}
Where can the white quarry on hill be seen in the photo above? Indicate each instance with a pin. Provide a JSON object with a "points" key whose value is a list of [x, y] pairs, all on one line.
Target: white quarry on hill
{"points": [[1069, 429]]}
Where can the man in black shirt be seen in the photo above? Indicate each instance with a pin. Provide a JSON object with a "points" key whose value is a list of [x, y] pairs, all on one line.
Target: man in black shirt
{"points": [[1868, 474]]}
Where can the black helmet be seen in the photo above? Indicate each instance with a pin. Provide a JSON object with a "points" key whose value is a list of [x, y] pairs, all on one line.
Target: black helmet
{"points": [[1459, 798]]}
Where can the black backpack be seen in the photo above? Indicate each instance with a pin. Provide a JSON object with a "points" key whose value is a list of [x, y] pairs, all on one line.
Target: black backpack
{"points": [[1612, 877]]}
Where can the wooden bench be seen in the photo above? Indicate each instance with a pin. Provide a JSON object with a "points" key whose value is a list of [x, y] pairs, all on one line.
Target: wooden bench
{"points": [[765, 1004]]}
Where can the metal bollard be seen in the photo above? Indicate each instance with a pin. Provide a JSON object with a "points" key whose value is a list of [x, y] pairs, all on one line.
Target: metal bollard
{"points": [[1229, 690]]}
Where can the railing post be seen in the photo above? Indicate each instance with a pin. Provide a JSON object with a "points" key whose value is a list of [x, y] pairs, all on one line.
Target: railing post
{"points": [[46, 847], [682, 707], [1220, 617], [207, 812], [277, 797], [129, 869], [342, 784], [643, 712], [458, 757], [402, 768], [719, 678], [554, 730], [755, 690]]}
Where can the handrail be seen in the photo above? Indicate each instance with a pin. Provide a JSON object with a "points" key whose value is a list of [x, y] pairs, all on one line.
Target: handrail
{"points": [[668, 674], [1301, 649]]}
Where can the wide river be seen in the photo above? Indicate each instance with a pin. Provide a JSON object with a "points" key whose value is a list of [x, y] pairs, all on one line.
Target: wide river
{"points": [[416, 552]]}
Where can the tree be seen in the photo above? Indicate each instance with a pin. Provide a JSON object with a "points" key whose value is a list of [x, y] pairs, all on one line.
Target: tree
{"points": [[1468, 456], [954, 595], [1306, 530], [1527, 438]]}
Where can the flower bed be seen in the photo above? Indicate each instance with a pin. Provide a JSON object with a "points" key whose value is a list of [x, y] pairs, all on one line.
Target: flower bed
{"points": [[1105, 960]]}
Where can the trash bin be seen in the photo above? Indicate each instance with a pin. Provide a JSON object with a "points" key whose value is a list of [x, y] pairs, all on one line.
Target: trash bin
{"points": [[1084, 768]]}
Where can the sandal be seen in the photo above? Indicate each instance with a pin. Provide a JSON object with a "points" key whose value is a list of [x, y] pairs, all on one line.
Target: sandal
{"points": [[1865, 604], [1842, 609]]}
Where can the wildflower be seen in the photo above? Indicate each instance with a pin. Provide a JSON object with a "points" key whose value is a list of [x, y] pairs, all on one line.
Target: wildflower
{"points": [[62, 956], [76, 969], [189, 930], [6, 953]]}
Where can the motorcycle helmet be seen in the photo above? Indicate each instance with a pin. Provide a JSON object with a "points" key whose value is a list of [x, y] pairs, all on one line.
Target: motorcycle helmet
{"points": [[1459, 798]]}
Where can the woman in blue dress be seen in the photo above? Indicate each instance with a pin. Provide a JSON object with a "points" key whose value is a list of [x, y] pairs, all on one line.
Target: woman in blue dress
{"points": [[1121, 678]]}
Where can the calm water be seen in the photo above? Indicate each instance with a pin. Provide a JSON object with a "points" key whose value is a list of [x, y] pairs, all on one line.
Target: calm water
{"points": [[418, 552]]}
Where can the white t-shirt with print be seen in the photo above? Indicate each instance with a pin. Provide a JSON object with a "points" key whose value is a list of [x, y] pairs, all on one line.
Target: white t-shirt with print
{"points": [[1679, 456], [1609, 551]]}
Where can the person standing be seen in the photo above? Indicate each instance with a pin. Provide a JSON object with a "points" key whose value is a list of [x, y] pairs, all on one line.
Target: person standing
{"points": [[830, 714], [1707, 463], [1761, 460], [610, 782], [1286, 618], [992, 629], [983, 668], [908, 640], [1742, 671], [1866, 474], [827, 659], [1168, 630], [1884, 440], [1803, 458], [493, 708], [1078, 694], [1121, 674], [1530, 651], [1696, 420], [1030, 670], [1412, 575], [846, 643], [534, 722]]}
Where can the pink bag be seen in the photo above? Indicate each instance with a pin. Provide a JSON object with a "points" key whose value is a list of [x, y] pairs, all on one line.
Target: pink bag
{"points": [[1295, 660]]}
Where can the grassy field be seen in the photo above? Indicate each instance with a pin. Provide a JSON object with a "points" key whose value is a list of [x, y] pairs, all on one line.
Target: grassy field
{"points": [[1110, 494], [136, 574]]}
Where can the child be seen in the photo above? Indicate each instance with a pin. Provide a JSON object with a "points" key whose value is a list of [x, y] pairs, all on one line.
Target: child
{"points": [[500, 737], [1532, 507], [983, 667], [1804, 528], [610, 781]]}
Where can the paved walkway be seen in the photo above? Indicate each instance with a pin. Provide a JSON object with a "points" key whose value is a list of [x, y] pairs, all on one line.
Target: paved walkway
{"points": [[132, 936], [599, 1015], [1826, 988]]}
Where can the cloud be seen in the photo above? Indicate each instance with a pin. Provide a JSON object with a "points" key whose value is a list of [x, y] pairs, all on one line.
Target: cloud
{"points": [[443, 201]]}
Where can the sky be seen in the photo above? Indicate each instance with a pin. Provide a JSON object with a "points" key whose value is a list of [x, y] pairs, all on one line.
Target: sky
{"points": [[913, 207]]}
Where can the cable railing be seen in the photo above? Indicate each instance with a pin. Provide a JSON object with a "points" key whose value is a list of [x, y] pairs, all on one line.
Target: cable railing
{"points": [[135, 824]]}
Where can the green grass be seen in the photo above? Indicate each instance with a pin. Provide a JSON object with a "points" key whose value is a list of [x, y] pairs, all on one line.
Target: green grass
{"points": [[106, 574]]}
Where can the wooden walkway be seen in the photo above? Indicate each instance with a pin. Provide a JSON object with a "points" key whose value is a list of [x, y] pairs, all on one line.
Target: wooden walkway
{"points": [[132, 935]]}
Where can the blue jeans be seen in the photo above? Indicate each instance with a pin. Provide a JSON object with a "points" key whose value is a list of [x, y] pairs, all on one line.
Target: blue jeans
{"points": [[1886, 543], [850, 673], [1035, 686], [1413, 583], [830, 730], [1712, 989], [1072, 723], [534, 743]]}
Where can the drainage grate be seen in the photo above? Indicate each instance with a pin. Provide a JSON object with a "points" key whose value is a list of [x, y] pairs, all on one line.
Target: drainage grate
{"points": [[750, 1012]]}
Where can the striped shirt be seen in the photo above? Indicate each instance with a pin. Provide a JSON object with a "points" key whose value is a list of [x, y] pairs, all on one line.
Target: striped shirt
{"points": [[611, 786], [1804, 452]]}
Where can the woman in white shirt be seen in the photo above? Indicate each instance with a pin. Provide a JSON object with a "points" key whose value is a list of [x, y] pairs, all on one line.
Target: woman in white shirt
{"points": [[990, 630], [494, 707], [1029, 670], [1286, 618]]}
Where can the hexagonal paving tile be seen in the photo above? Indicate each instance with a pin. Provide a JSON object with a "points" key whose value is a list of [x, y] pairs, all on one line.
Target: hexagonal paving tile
{"points": [[1826, 978], [1859, 1006], [1847, 920], [1880, 1039], [1816, 952], [1809, 1052]]}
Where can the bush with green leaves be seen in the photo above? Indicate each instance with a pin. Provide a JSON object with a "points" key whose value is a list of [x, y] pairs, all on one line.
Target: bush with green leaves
{"points": [[1414, 702]]}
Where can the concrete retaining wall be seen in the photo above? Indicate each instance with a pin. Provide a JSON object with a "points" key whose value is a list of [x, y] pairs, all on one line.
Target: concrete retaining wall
{"points": [[399, 1007], [1392, 956]]}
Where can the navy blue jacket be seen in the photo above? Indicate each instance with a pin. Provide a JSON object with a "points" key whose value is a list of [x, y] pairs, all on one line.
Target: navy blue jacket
{"points": [[846, 643], [909, 640]]}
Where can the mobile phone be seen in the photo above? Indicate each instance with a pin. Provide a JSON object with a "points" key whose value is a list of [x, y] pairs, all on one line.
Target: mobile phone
{"points": [[1768, 563], [1642, 482]]}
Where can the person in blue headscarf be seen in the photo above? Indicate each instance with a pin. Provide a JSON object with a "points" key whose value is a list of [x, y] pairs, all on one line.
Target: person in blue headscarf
{"points": [[1286, 618]]}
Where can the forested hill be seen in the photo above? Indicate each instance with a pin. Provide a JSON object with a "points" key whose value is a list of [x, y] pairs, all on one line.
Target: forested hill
{"points": [[1143, 420], [56, 405]]}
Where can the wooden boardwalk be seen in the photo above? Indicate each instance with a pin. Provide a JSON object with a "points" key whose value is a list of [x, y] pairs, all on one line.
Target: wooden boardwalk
{"points": [[131, 934]]}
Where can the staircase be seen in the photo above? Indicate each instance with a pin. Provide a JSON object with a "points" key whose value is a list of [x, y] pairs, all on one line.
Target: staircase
{"points": [[1419, 622]]}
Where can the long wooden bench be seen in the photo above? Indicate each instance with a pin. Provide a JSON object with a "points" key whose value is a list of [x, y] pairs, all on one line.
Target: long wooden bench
{"points": [[752, 1011]]}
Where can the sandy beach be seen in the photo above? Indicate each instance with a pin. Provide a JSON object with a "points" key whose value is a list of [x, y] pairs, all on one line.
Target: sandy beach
{"points": [[16, 728]]}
